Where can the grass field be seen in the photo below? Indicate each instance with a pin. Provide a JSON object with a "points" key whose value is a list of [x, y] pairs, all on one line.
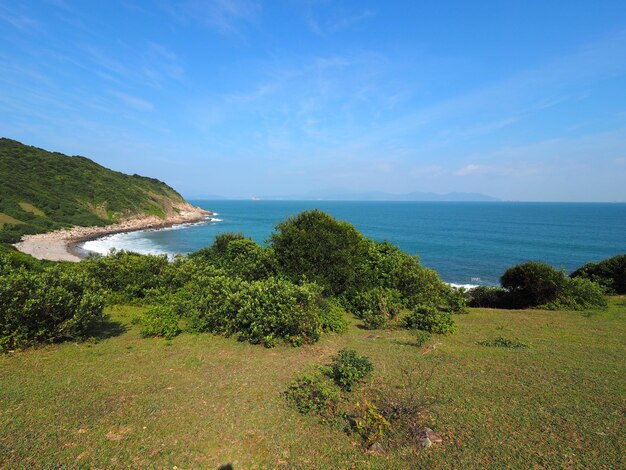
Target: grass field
{"points": [[205, 401], [7, 219], [32, 209]]}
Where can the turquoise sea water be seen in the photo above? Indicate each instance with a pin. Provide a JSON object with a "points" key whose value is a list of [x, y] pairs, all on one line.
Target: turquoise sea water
{"points": [[467, 243]]}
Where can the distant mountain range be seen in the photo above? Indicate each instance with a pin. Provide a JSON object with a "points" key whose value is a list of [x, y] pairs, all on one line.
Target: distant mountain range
{"points": [[382, 196]]}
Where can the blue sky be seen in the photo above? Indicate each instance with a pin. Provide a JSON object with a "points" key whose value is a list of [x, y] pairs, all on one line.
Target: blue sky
{"points": [[522, 100]]}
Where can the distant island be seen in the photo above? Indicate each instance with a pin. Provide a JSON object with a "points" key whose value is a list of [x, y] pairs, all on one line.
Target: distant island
{"points": [[50, 201]]}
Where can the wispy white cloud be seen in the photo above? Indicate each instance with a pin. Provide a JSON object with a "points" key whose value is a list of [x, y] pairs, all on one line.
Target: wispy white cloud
{"points": [[17, 19], [332, 19], [222, 16], [134, 102]]}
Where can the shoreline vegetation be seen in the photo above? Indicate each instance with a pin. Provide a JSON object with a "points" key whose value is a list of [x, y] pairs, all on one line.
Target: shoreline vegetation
{"points": [[62, 244]]}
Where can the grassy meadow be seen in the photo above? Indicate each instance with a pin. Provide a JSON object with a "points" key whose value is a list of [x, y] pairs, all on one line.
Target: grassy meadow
{"points": [[204, 401]]}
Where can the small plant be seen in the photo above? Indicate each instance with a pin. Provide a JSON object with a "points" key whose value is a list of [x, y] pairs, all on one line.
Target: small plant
{"points": [[370, 424], [421, 337], [502, 342], [430, 319], [406, 400], [313, 393], [349, 367]]}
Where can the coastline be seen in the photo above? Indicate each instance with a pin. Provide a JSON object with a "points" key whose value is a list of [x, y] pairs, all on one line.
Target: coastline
{"points": [[63, 244]]}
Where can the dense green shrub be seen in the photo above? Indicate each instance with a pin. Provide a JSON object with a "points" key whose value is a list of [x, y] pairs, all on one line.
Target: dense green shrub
{"points": [[127, 276], [239, 256], [431, 319], [261, 312], [578, 294], [333, 316], [275, 309], [313, 393], [389, 267], [161, 321], [348, 368], [315, 246], [532, 284], [540, 285], [487, 297], [210, 304], [52, 305], [609, 273], [376, 307]]}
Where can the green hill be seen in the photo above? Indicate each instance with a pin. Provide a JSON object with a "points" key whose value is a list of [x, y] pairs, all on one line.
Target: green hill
{"points": [[42, 191]]}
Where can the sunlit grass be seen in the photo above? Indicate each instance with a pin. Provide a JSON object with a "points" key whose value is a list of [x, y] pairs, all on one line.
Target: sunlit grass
{"points": [[206, 401]]}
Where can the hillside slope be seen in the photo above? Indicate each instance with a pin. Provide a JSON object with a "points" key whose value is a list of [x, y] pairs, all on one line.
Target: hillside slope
{"points": [[42, 191]]}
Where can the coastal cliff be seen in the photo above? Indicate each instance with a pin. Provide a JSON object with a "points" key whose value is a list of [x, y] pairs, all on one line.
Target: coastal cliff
{"points": [[49, 201]]}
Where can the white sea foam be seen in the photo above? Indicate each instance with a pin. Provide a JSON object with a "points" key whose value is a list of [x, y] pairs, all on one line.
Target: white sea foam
{"points": [[136, 241], [463, 286]]}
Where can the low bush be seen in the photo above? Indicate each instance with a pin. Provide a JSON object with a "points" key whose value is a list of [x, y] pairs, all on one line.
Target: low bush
{"points": [[161, 321], [532, 284], [579, 294], [369, 423], [430, 319], [127, 276], [275, 309], [421, 337], [391, 268], [239, 256], [487, 297], [502, 342], [609, 273], [348, 368], [261, 312], [313, 393], [52, 305], [376, 307], [333, 316]]}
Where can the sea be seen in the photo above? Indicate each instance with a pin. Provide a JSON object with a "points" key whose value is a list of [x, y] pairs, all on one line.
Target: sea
{"points": [[467, 243]]}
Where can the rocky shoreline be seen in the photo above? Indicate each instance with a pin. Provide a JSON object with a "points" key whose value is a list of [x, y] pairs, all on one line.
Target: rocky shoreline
{"points": [[62, 245]]}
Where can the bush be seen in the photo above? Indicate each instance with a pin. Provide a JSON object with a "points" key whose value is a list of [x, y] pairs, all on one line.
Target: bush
{"points": [[239, 256], [430, 319], [377, 306], [532, 284], [261, 312], [502, 342], [275, 309], [389, 267], [579, 294], [422, 337], [313, 393], [333, 316], [162, 321], [349, 367], [370, 424], [609, 273], [315, 246], [127, 276], [47, 306], [487, 297]]}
